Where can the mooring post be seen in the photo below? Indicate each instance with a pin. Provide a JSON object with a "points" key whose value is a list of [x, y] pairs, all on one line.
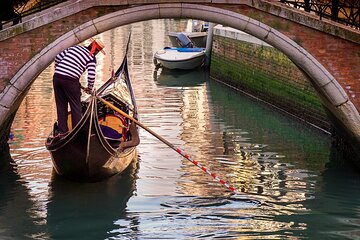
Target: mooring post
{"points": [[209, 41]]}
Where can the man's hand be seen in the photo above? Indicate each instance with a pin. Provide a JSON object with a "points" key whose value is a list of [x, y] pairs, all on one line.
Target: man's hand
{"points": [[88, 90]]}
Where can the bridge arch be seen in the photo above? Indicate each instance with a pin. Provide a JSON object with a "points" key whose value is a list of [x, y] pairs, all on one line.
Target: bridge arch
{"points": [[329, 90]]}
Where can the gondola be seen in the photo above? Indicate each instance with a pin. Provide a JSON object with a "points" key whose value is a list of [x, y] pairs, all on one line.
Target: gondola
{"points": [[91, 151]]}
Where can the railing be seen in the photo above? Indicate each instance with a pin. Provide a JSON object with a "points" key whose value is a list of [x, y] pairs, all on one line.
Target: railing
{"points": [[14, 14], [343, 11]]}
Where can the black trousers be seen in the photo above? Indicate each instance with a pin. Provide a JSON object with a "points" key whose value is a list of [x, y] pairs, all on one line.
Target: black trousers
{"points": [[67, 92]]}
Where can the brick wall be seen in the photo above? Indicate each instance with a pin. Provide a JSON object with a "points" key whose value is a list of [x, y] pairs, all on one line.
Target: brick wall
{"points": [[16, 51], [269, 75]]}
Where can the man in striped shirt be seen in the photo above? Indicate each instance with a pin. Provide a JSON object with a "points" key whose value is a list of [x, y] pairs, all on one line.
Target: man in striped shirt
{"points": [[69, 66]]}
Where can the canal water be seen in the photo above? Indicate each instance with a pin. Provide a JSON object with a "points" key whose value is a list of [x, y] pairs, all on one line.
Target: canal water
{"points": [[293, 182]]}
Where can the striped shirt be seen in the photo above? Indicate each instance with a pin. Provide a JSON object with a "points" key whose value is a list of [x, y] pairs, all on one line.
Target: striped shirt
{"points": [[73, 62]]}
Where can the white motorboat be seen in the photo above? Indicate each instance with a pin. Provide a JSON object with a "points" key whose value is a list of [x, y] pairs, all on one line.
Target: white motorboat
{"points": [[180, 58], [185, 57]]}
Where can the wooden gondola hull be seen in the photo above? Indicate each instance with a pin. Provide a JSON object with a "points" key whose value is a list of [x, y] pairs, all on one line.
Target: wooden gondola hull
{"points": [[118, 164], [77, 169], [85, 155]]}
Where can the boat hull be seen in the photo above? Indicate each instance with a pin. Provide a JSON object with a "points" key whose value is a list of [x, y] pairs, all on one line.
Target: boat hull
{"points": [[85, 155], [180, 60], [78, 169]]}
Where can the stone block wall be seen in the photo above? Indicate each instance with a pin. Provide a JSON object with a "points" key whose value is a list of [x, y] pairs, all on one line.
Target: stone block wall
{"points": [[269, 75]]}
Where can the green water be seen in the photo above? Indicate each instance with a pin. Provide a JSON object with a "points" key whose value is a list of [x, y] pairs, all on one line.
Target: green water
{"points": [[293, 184]]}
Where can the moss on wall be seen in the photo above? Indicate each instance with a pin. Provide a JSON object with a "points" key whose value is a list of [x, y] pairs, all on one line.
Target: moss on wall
{"points": [[268, 74]]}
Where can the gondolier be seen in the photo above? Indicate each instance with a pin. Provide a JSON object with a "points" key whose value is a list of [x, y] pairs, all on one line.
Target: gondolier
{"points": [[70, 64]]}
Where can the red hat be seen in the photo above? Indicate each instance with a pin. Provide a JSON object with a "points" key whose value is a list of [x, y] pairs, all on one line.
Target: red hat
{"points": [[96, 45]]}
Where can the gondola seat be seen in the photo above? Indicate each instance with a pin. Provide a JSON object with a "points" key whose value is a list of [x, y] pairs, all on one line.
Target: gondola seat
{"points": [[113, 128], [111, 135], [110, 132]]}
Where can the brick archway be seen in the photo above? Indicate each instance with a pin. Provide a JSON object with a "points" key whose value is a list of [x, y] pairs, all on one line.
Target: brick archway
{"points": [[330, 91]]}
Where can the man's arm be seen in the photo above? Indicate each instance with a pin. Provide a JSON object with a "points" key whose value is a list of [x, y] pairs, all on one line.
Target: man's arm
{"points": [[91, 72]]}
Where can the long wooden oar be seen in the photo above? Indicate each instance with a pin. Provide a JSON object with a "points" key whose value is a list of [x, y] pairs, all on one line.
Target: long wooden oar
{"points": [[167, 143]]}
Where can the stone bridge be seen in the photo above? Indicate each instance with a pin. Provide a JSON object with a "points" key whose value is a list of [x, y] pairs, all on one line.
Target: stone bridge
{"points": [[326, 52]]}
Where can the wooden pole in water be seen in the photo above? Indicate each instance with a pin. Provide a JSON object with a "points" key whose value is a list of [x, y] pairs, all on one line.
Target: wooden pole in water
{"points": [[232, 189], [209, 41]]}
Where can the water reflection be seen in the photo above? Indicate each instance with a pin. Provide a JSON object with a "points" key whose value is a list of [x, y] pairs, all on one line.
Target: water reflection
{"points": [[256, 169], [173, 78], [90, 210], [16, 206], [336, 199]]}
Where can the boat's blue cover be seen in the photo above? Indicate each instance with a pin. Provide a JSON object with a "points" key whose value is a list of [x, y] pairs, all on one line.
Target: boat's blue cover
{"points": [[185, 49]]}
